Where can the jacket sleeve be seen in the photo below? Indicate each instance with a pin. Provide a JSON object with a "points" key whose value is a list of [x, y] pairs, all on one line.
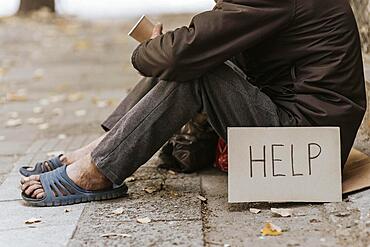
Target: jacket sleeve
{"points": [[211, 38]]}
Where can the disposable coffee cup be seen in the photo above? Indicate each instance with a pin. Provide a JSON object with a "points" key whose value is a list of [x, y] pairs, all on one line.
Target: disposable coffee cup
{"points": [[143, 29]]}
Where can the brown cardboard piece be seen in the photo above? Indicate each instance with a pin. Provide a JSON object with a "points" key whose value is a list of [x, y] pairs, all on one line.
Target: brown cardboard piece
{"points": [[356, 174]]}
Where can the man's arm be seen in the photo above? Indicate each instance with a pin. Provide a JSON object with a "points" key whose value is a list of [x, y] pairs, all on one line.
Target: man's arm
{"points": [[211, 38]]}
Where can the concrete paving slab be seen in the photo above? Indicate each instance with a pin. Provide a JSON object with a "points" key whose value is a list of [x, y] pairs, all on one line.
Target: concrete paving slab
{"points": [[41, 236], [214, 185], [157, 233], [158, 207], [13, 215]]}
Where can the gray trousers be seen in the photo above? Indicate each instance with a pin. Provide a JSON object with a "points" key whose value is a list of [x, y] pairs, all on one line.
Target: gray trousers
{"points": [[156, 109]]}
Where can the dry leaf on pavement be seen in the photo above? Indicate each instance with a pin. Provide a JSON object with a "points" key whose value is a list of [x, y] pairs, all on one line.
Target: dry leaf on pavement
{"points": [[283, 212], [38, 74], [37, 110], [44, 102], [13, 114], [150, 190], [32, 221], [113, 234], [254, 210], [74, 97], [20, 95], [62, 136], [271, 230], [33, 120], [80, 113], [172, 172], [202, 198], [145, 220], [57, 111], [43, 126], [13, 122], [118, 211], [130, 179], [343, 214]]}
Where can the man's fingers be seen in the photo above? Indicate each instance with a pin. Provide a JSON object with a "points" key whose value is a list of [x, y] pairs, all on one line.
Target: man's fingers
{"points": [[157, 30]]}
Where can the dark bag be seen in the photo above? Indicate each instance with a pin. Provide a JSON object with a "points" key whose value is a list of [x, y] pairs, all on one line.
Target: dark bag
{"points": [[192, 149]]}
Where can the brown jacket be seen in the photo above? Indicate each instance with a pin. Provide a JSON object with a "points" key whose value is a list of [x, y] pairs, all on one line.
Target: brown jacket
{"points": [[305, 54]]}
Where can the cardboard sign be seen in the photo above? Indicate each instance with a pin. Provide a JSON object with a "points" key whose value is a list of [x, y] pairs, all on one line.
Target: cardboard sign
{"points": [[284, 164]]}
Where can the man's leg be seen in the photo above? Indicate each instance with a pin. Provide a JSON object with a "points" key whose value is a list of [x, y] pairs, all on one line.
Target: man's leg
{"points": [[227, 98], [139, 91]]}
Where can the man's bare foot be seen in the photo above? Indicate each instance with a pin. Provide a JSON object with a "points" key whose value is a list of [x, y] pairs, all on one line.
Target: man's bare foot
{"points": [[83, 172], [70, 158]]}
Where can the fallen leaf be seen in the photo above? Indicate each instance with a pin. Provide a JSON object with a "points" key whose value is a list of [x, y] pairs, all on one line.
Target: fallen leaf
{"points": [[254, 210], [43, 126], [38, 74], [150, 190], [37, 110], [33, 120], [130, 179], [101, 103], [113, 234], [314, 221], [81, 45], [67, 210], [57, 98], [271, 230], [13, 114], [74, 97], [283, 212], [118, 211], [62, 136], [172, 172], [32, 221], [16, 96], [343, 214], [2, 72], [44, 102], [13, 122], [57, 111], [202, 198], [145, 220], [80, 113]]}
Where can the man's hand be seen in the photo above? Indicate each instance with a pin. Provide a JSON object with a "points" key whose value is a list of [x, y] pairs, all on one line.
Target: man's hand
{"points": [[157, 30]]}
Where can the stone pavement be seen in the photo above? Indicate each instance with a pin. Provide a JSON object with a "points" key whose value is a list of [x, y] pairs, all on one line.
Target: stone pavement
{"points": [[61, 78]]}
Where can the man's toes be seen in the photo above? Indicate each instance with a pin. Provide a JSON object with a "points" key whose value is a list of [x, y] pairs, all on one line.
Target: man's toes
{"points": [[32, 188], [28, 184], [36, 192], [40, 195], [30, 178]]}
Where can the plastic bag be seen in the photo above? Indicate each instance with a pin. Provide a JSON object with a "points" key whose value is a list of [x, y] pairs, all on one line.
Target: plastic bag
{"points": [[192, 149], [221, 156]]}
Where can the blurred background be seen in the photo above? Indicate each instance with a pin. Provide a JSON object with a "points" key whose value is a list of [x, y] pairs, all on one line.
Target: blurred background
{"points": [[110, 8]]}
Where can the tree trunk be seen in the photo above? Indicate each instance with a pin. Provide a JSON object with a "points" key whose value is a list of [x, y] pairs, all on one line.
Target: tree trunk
{"points": [[27, 6]]}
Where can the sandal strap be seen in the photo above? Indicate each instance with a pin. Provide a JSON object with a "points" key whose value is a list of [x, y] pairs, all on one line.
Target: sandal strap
{"points": [[55, 162], [57, 184]]}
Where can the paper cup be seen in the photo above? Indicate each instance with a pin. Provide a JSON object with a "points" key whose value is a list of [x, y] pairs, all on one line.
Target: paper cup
{"points": [[143, 29]]}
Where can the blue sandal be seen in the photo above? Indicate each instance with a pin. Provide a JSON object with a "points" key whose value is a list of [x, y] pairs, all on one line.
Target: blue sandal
{"points": [[41, 167], [60, 190]]}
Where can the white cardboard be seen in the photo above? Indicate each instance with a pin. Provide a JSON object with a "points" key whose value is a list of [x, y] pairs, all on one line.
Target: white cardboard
{"points": [[322, 184]]}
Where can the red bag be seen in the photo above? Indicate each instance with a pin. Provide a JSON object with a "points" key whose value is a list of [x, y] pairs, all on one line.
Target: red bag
{"points": [[221, 156]]}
